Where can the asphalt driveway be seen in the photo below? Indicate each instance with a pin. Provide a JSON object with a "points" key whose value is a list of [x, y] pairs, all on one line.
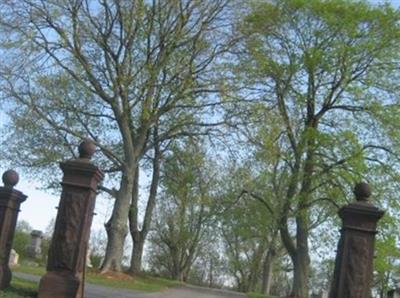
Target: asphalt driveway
{"points": [[96, 291]]}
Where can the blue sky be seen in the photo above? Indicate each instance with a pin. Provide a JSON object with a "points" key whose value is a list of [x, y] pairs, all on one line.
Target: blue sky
{"points": [[394, 2], [40, 206]]}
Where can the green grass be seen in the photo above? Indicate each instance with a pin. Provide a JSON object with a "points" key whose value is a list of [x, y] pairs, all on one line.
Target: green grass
{"points": [[29, 269], [140, 282], [20, 289]]}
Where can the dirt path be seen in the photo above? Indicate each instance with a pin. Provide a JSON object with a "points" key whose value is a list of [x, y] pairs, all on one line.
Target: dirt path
{"points": [[96, 291]]}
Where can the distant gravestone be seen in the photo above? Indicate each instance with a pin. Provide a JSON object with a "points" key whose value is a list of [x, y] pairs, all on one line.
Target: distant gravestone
{"points": [[88, 261], [14, 257], [34, 250]]}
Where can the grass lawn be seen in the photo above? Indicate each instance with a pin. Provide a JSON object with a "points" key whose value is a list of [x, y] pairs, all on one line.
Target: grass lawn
{"points": [[115, 280], [20, 289]]}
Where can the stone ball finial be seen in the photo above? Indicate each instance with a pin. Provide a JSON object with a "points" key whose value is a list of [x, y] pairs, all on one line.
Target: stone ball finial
{"points": [[10, 178], [86, 149], [362, 191]]}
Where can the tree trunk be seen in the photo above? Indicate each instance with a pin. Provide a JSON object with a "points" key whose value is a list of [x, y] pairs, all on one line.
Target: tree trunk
{"points": [[210, 274], [267, 272], [139, 235], [252, 281], [300, 277], [180, 265], [301, 259], [137, 253], [116, 235], [177, 273], [116, 227], [186, 272], [137, 243]]}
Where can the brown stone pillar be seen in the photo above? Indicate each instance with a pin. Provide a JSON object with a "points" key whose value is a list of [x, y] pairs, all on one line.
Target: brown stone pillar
{"points": [[67, 252], [354, 261], [10, 200]]}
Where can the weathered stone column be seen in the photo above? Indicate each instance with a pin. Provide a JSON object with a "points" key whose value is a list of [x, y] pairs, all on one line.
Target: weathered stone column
{"points": [[10, 200], [34, 249], [67, 252], [354, 261]]}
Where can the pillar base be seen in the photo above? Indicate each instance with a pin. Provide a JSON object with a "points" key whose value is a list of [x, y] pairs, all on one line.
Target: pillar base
{"points": [[62, 284], [5, 277]]}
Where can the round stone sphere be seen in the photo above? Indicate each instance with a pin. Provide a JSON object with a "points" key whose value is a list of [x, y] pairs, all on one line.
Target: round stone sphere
{"points": [[10, 178], [86, 149], [362, 191]]}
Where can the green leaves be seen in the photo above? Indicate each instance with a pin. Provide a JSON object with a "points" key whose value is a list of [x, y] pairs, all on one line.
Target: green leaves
{"points": [[316, 73]]}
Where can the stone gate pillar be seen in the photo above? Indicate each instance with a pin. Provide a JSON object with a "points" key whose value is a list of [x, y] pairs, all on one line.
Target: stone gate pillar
{"points": [[67, 252], [354, 261], [10, 200]]}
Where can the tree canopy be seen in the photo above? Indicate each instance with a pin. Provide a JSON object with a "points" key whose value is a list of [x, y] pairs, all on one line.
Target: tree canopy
{"points": [[251, 120]]}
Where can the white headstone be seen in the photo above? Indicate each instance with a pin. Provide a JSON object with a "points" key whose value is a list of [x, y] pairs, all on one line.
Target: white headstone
{"points": [[88, 261], [13, 261], [324, 294]]}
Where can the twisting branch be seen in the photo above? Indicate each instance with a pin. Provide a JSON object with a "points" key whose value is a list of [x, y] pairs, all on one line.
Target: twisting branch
{"points": [[258, 198]]}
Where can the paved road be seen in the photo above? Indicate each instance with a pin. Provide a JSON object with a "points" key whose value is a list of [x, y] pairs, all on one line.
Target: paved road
{"points": [[95, 291]]}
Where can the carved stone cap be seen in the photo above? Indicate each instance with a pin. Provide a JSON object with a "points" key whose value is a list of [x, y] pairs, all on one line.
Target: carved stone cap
{"points": [[362, 191], [86, 149], [10, 178], [37, 233], [362, 210]]}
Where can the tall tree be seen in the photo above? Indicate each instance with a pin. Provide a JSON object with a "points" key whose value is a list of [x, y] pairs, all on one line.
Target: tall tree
{"points": [[186, 209], [111, 70], [249, 227], [325, 70]]}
